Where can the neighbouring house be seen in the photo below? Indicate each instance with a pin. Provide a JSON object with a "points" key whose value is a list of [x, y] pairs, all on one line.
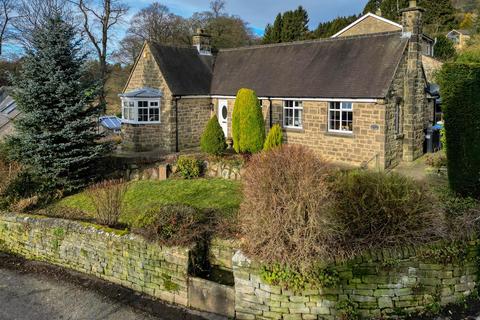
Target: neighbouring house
{"points": [[372, 23], [358, 99], [460, 38], [8, 112]]}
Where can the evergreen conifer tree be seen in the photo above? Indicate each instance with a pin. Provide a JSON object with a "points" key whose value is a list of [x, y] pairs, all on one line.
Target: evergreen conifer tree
{"points": [[277, 29], [267, 35], [56, 134], [248, 126], [213, 138]]}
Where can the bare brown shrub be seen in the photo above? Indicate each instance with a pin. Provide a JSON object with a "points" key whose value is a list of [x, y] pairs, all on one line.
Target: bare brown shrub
{"points": [[8, 172], [173, 225], [107, 198], [25, 205], [284, 215], [298, 213]]}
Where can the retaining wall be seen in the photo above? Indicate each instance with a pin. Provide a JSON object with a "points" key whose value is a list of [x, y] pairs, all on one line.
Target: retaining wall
{"points": [[126, 260], [384, 284]]}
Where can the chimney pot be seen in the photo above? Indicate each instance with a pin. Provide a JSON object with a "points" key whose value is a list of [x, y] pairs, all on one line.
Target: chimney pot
{"points": [[413, 3]]}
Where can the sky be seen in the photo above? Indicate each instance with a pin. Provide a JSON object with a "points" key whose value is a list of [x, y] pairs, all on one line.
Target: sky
{"points": [[260, 12], [257, 13]]}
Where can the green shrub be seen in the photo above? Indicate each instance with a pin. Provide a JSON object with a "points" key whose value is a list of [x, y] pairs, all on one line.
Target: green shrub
{"points": [[274, 138], [248, 126], [444, 48], [317, 277], [173, 225], [461, 106], [213, 138], [377, 210], [188, 166]]}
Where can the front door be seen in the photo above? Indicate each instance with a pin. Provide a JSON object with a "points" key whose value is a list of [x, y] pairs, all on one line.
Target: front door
{"points": [[223, 115]]}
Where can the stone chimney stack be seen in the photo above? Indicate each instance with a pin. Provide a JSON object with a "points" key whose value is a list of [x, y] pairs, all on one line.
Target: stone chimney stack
{"points": [[414, 89], [201, 41]]}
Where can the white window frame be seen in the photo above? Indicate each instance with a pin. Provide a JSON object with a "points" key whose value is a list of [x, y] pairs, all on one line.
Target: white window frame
{"points": [[341, 108], [297, 105], [130, 110]]}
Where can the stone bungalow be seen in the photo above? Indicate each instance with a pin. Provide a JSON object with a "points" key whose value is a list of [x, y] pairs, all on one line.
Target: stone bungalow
{"points": [[359, 98]]}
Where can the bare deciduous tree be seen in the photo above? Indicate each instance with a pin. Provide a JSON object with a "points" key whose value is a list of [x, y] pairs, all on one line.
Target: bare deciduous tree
{"points": [[157, 23], [6, 16], [217, 7], [99, 18], [34, 13]]}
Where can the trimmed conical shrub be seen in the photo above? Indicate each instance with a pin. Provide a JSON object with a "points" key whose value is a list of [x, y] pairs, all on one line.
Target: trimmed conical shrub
{"points": [[248, 126], [213, 138], [274, 138]]}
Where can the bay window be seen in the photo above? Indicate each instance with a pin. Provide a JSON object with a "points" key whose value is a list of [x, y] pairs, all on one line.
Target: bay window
{"points": [[292, 114], [340, 117], [141, 106]]}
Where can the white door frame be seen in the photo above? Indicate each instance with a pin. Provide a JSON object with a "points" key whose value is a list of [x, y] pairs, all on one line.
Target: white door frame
{"points": [[222, 119]]}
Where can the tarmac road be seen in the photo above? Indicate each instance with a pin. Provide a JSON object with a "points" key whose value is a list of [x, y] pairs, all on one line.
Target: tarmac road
{"points": [[36, 291]]}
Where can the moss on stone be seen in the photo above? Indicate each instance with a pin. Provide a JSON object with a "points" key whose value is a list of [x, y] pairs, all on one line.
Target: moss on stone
{"points": [[168, 284]]}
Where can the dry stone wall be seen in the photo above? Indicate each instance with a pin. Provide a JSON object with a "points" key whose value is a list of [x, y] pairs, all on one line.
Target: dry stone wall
{"points": [[379, 284], [126, 260], [383, 283]]}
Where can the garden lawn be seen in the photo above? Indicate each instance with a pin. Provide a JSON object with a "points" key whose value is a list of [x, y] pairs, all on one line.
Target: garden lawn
{"points": [[223, 195]]}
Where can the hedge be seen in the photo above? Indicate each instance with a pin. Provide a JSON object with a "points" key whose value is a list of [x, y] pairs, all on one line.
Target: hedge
{"points": [[460, 90]]}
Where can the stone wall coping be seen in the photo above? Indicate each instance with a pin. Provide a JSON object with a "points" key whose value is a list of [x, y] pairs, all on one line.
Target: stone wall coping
{"points": [[82, 227]]}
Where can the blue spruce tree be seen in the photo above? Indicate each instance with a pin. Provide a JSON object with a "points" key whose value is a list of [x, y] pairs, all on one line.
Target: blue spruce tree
{"points": [[56, 137]]}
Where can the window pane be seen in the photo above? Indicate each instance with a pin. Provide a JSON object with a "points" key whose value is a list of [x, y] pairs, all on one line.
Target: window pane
{"points": [[142, 114], [154, 114], [347, 105], [154, 104], [131, 104], [334, 120], [298, 118], [131, 114]]}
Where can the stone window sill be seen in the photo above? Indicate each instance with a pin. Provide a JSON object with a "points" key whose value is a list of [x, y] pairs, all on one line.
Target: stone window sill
{"points": [[293, 130], [340, 135]]}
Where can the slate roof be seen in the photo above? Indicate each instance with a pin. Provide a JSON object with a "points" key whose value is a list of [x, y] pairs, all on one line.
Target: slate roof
{"points": [[186, 72], [355, 67], [348, 67], [142, 93], [8, 108]]}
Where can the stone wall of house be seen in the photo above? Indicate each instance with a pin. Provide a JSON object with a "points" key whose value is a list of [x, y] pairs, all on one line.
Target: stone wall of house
{"points": [[147, 137], [193, 115], [365, 146], [370, 25], [393, 139], [386, 283], [127, 260]]}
